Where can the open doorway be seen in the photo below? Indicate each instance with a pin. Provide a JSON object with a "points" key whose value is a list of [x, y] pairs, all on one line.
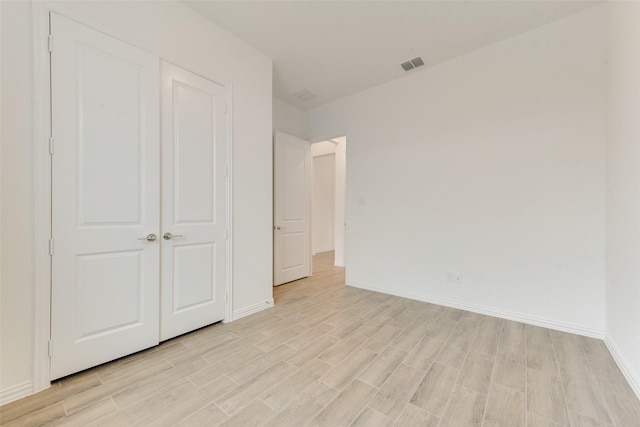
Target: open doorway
{"points": [[328, 227]]}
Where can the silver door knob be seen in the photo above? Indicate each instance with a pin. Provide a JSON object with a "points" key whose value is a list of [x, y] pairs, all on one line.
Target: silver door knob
{"points": [[169, 236], [149, 237]]}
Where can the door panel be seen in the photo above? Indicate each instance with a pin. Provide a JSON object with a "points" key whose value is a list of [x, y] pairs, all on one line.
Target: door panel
{"points": [[194, 272], [105, 183], [106, 281], [194, 150], [194, 201], [292, 256], [292, 175], [109, 136]]}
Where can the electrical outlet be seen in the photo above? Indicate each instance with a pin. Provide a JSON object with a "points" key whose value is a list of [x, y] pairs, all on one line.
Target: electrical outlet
{"points": [[457, 278]]}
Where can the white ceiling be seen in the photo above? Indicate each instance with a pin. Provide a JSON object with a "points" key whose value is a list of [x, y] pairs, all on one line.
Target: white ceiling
{"points": [[337, 48]]}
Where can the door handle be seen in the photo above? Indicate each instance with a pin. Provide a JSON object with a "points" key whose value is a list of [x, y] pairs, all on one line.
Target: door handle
{"points": [[169, 236], [149, 237], [277, 227]]}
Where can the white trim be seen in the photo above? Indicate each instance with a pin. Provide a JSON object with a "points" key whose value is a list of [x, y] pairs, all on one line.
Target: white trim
{"points": [[622, 364], [310, 185], [42, 202], [16, 392], [531, 320], [345, 254], [252, 309], [1, 137], [228, 315]]}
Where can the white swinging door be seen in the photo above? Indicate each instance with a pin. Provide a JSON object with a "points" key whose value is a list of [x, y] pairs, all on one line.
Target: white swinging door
{"points": [[291, 208], [194, 209], [139, 226], [105, 198]]}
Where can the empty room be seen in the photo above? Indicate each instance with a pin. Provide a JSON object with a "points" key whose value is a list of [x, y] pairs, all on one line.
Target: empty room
{"points": [[320, 213]]}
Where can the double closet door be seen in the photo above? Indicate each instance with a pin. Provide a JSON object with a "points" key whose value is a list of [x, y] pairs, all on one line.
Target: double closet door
{"points": [[139, 214]]}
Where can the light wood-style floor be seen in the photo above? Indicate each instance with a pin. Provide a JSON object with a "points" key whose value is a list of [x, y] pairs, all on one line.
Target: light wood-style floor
{"points": [[332, 355]]}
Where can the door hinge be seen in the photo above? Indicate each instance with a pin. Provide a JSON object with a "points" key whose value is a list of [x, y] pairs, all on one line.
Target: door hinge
{"points": [[51, 247], [50, 348], [226, 297], [226, 234], [51, 146], [50, 43]]}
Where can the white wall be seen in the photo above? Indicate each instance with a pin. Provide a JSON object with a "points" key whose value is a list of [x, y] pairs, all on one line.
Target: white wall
{"points": [[324, 203], [623, 189], [174, 31], [289, 119], [490, 165], [16, 228]]}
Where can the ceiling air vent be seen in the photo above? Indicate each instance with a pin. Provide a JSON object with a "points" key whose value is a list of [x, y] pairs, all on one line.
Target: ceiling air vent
{"points": [[407, 66], [414, 63], [304, 95], [417, 62]]}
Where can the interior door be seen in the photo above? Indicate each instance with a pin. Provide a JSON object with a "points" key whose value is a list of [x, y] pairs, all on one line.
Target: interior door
{"points": [[194, 210], [292, 186], [105, 198]]}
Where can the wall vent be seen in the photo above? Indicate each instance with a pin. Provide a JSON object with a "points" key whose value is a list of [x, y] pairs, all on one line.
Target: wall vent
{"points": [[414, 63]]}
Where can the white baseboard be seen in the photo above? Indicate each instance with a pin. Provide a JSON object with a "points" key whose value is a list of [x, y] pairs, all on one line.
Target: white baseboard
{"points": [[622, 364], [252, 309], [16, 392], [518, 317]]}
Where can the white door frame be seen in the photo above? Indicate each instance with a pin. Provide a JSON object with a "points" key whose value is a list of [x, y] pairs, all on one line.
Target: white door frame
{"points": [[42, 179], [328, 137]]}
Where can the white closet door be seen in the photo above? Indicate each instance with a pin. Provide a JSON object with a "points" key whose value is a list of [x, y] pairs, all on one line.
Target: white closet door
{"points": [[105, 179], [194, 209], [291, 210]]}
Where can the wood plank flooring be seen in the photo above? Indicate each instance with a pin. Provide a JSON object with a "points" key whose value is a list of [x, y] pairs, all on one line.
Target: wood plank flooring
{"points": [[332, 355]]}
